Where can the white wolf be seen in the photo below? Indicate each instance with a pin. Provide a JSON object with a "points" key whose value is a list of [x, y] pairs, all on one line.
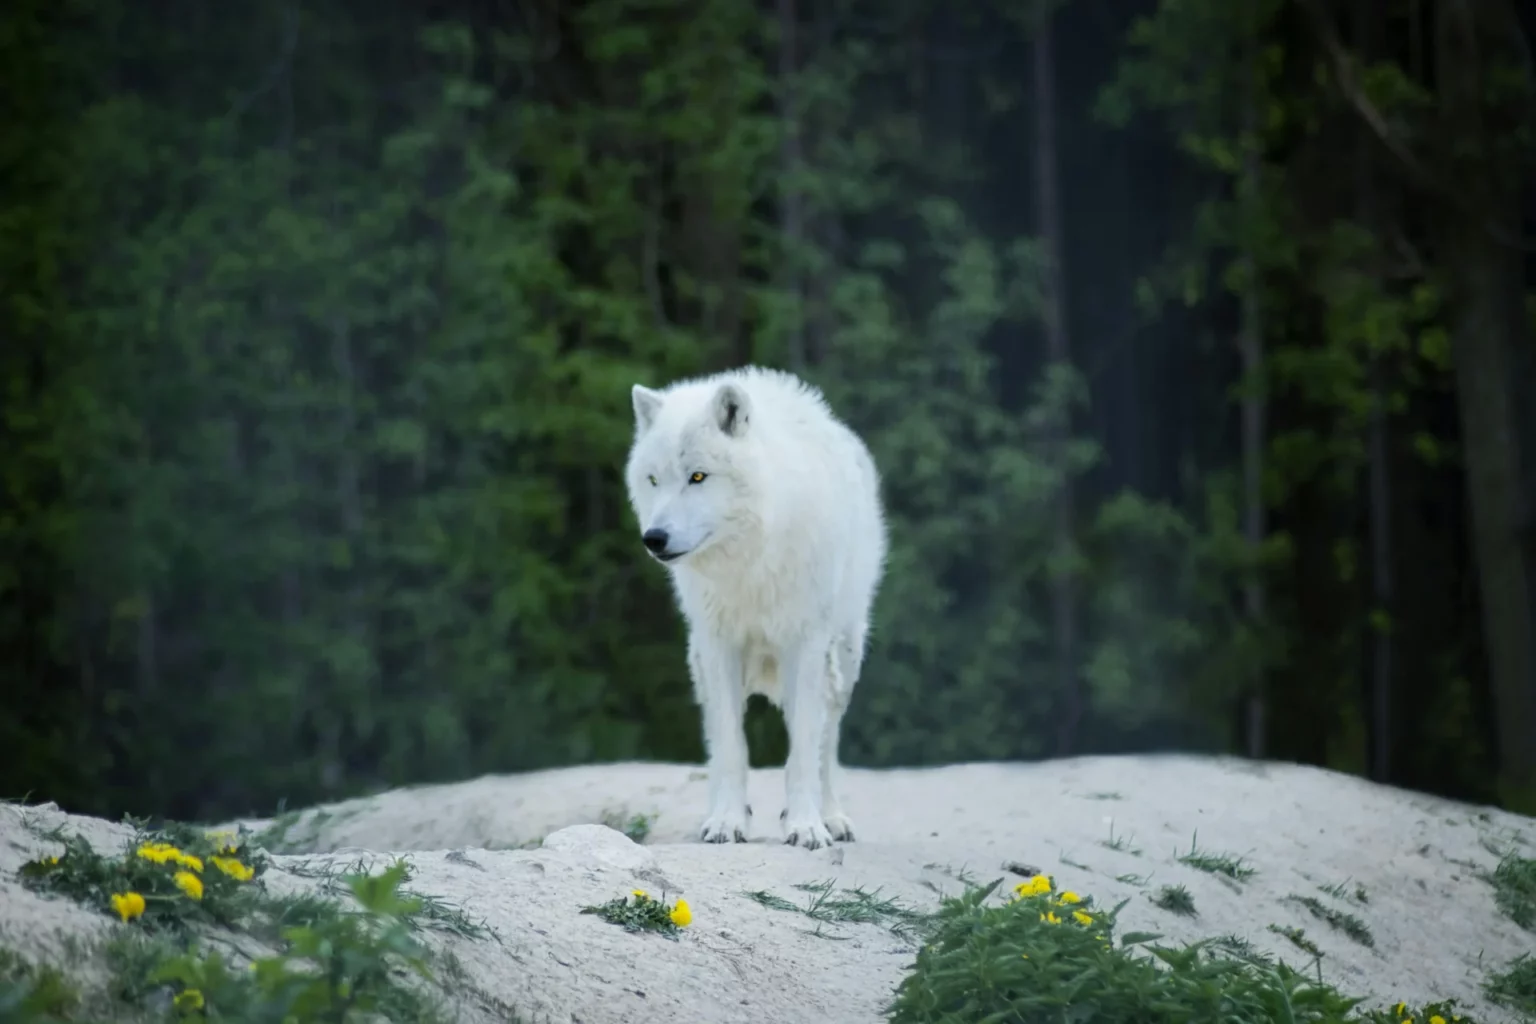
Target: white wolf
{"points": [[765, 509]]}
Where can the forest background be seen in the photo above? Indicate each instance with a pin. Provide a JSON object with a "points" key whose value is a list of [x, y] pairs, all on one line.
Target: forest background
{"points": [[1193, 338]]}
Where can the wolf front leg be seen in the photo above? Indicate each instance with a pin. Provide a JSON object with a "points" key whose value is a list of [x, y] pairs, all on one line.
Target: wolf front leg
{"points": [[844, 666], [718, 687], [807, 707]]}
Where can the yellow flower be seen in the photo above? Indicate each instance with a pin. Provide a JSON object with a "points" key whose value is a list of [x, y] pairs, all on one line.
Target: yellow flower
{"points": [[1399, 1009], [191, 999], [1050, 918], [190, 884], [159, 853], [128, 905], [233, 868], [1035, 886], [165, 853], [1070, 897], [639, 894], [1082, 918], [681, 915], [50, 861], [1436, 1019]]}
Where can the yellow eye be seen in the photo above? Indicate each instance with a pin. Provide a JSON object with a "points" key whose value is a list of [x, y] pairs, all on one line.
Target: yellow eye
{"points": [[652, 480], [697, 478]]}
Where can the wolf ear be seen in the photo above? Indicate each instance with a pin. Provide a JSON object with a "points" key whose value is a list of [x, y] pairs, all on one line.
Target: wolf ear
{"points": [[732, 410], [647, 405]]}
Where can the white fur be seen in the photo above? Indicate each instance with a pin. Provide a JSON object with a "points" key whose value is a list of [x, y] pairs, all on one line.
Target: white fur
{"points": [[775, 558]]}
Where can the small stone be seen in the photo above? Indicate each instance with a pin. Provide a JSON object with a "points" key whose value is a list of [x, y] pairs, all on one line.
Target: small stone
{"points": [[601, 844]]}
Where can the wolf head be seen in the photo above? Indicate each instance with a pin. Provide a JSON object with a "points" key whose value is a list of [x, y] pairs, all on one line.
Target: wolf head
{"points": [[688, 482]]}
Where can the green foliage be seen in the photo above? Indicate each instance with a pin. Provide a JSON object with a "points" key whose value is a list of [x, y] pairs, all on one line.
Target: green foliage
{"points": [[340, 968], [333, 961], [173, 878], [1514, 889], [638, 912], [827, 904], [318, 389], [33, 995], [1515, 986], [1027, 961]]}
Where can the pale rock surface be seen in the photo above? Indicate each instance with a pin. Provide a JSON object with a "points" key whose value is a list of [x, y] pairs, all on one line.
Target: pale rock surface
{"points": [[525, 853]]}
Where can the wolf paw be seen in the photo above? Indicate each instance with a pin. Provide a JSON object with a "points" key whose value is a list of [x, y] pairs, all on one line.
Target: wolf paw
{"points": [[725, 827], [840, 825], [808, 834]]}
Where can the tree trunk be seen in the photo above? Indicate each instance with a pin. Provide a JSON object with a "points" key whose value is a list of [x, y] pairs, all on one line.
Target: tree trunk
{"points": [[1250, 346], [1488, 329], [1382, 620], [1059, 352], [791, 214]]}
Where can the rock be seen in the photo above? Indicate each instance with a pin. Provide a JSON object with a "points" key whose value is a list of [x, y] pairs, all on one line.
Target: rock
{"points": [[602, 844]]}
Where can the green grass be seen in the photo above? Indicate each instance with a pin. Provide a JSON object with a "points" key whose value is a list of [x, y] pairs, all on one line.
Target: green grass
{"points": [[1120, 844], [348, 951], [1215, 863], [1514, 889], [1515, 987], [1339, 920], [639, 912], [30, 993], [1342, 891], [1029, 960], [1175, 899], [826, 904], [636, 826]]}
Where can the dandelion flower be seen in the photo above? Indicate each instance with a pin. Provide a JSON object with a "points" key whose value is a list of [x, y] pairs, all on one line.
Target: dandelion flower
{"points": [[190, 884], [51, 861], [640, 894], [1050, 918], [1436, 1019], [1071, 897], [233, 868], [190, 999], [128, 905], [186, 860], [1399, 1009], [1036, 886], [681, 915], [158, 853], [1082, 918]]}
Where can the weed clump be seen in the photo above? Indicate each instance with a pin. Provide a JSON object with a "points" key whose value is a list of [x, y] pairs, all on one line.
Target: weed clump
{"points": [[321, 959], [1514, 889], [638, 912], [1033, 959]]}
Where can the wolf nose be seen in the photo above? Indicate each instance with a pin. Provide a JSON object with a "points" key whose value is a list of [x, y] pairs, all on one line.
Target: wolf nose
{"points": [[655, 541]]}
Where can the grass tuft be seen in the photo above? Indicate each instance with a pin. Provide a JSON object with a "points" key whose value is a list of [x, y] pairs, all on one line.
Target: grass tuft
{"points": [[636, 826], [828, 905], [1215, 863], [1120, 844], [1515, 987], [1175, 899], [1339, 920], [1514, 889]]}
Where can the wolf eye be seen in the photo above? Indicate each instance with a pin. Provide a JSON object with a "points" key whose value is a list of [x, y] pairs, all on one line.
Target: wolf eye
{"points": [[652, 479], [697, 478]]}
